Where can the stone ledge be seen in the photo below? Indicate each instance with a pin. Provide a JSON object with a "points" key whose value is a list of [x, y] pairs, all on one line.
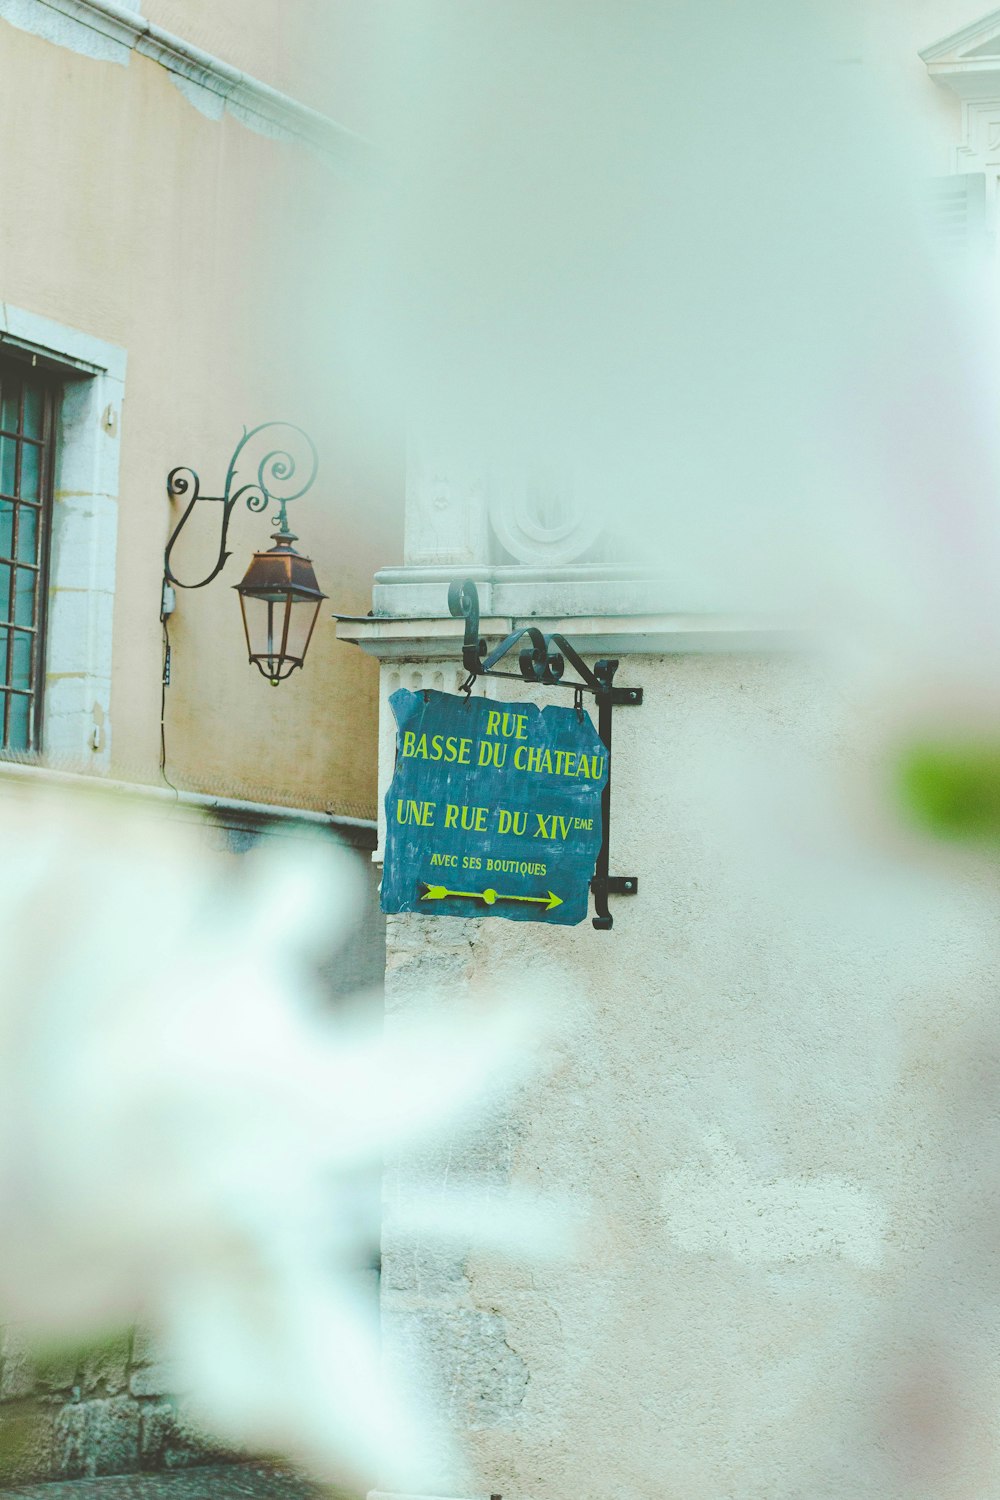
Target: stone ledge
{"points": [[420, 638], [395, 1495], [573, 589], [212, 1482], [230, 812]]}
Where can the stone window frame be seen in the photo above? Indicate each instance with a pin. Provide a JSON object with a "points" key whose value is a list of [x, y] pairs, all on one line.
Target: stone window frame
{"points": [[84, 535]]}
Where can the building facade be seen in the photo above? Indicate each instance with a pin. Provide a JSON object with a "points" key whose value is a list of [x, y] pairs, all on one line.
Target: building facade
{"points": [[748, 1089], [168, 171], [750, 1101]]}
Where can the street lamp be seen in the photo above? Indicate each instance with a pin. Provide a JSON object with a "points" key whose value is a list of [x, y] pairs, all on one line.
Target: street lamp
{"points": [[279, 594], [279, 600]]}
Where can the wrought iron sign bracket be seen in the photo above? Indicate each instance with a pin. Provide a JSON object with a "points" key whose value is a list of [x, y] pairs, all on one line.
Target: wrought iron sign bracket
{"points": [[542, 661]]}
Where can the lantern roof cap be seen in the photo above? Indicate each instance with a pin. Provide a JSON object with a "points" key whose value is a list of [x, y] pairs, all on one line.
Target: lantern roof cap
{"points": [[280, 570]]}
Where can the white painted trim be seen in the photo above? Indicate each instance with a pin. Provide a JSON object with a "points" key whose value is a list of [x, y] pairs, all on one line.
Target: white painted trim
{"points": [[561, 592], [255, 103], [953, 64], [968, 63], [418, 638], [974, 35], [522, 573], [76, 718], [977, 81], [68, 346], [12, 770]]}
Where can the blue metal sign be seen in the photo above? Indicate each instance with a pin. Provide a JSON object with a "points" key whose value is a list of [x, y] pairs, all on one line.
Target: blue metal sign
{"points": [[494, 809]]}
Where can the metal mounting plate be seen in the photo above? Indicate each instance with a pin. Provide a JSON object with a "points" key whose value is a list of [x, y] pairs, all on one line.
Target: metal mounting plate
{"points": [[619, 885]]}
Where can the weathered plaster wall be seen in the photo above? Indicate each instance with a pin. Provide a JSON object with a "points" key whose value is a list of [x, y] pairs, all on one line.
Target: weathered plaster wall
{"points": [[203, 249], [762, 1097]]}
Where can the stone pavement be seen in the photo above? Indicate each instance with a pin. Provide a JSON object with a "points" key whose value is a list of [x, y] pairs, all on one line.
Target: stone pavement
{"points": [[215, 1482]]}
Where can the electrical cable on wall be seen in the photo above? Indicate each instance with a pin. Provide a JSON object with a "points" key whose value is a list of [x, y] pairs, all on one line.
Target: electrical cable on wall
{"points": [[166, 610]]}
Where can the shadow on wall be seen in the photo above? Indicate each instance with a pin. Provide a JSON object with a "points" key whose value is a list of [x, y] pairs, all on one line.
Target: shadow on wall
{"points": [[353, 971]]}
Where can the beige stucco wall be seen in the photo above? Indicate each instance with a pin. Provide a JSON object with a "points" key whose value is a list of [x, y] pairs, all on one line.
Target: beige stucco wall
{"points": [[768, 1098], [205, 250]]}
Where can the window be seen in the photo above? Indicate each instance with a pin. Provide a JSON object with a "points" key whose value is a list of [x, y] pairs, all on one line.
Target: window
{"points": [[960, 212], [27, 433], [79, 381]]}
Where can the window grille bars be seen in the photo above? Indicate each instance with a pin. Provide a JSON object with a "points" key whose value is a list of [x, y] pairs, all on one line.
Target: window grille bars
{"points": [[27, 442]]}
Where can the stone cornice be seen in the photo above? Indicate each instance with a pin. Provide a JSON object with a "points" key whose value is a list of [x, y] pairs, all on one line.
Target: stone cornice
{"points": [[419, 638], [519, 590], [979, 34], [968, 62], [520, 573], [256, 103]]}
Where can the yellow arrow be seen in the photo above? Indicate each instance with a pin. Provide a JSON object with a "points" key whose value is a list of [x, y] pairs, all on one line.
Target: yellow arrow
{"points": [[549, 900], [439, 892]]}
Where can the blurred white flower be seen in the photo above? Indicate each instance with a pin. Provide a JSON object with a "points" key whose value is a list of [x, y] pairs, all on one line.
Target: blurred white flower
{"points": [[186, 1137]]}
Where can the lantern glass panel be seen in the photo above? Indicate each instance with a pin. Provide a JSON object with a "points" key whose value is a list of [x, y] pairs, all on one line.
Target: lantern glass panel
{"points": [[302, 618], [278, 630], [264, 622]]}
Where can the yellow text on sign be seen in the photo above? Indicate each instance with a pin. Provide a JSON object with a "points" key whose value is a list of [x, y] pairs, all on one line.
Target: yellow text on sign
{"points": [[476, 819]]}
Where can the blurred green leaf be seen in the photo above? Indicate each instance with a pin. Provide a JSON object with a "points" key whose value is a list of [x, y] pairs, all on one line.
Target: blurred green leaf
{"points": [[953, 790]]}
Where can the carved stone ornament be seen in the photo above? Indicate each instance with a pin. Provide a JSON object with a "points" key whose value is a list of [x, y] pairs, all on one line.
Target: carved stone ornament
{"points": [[980, 148], [445, 521], [540, 522]]}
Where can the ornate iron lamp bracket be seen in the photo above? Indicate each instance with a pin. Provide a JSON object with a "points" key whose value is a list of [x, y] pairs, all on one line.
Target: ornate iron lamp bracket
{"points": [[285, 464], [542, 659]]}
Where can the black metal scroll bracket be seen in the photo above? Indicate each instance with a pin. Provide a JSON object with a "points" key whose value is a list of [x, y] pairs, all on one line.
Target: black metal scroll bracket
{"points": [[281, 475], [542, 659]]}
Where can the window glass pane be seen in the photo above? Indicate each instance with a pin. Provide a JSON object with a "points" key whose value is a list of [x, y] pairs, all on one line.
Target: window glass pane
{"points": [[33, 407], [20, 671], [31, 464], [20, 721], [8, 461], [24, 597], [27, 429], [27, 534], [9, 395]]}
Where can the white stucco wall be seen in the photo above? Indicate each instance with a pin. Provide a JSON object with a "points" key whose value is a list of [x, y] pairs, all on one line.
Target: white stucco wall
{"points": [[774, 1093], [762, 1097]]}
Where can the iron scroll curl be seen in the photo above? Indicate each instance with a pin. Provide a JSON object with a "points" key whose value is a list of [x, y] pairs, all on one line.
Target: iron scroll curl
{"points": [[543, 660], [285, 472]]}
